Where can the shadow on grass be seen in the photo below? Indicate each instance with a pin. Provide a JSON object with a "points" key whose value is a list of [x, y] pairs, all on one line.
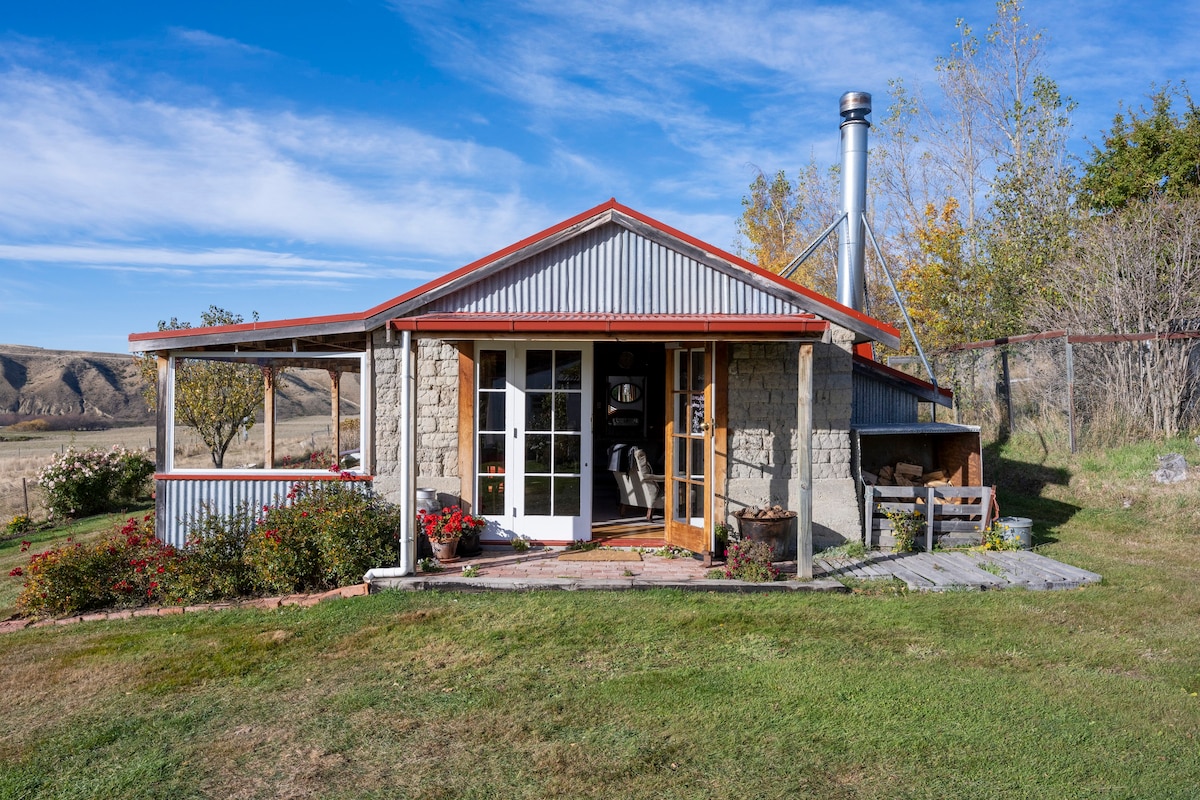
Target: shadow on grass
{"points": [[1021, 483]]}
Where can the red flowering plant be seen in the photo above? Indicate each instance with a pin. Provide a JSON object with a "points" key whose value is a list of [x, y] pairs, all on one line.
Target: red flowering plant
{"points": [[449, 524]]}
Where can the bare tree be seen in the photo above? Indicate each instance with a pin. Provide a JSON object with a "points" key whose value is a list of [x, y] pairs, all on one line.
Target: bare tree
{"points": [[1134, 272]]}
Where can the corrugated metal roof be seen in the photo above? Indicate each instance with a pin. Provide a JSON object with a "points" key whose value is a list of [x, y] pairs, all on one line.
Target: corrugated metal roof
{"points": [[607, 259], [756, 325]]}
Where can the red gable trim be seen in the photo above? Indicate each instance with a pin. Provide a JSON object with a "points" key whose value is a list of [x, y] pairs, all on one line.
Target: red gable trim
{"points": [[266, 325], [670, 324], [611, 205]]}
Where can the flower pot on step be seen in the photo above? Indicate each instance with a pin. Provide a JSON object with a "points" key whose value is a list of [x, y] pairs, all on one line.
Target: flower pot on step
{"points": [[445, 551]]}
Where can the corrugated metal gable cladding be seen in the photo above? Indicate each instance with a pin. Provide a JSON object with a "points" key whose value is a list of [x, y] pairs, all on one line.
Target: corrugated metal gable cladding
{"points": [[611, 270], [879, 402]]}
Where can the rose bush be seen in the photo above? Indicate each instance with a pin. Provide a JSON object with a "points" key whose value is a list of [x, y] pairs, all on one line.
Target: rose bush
{"points": [[79, 484]]}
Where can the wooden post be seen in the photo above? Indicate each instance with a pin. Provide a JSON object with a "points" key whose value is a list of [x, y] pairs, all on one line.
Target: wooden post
{"points": [[804, 420], [929, 519], [268, 417], [25, 492], [162, 416], [335, 399], [1005, 377], [1070, 390]]}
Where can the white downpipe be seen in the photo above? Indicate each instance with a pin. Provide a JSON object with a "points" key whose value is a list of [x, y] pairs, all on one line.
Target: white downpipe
{"points": [[408, 497]]}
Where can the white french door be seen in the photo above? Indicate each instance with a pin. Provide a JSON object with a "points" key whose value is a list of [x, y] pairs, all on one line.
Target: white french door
{"points": [[533, 429]]}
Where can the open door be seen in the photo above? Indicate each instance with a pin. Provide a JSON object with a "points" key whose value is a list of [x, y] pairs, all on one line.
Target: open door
{"points": [[689, 460]]}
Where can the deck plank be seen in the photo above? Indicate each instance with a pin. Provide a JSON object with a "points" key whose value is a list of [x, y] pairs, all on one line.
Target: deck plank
{"points": [[959, 565]]}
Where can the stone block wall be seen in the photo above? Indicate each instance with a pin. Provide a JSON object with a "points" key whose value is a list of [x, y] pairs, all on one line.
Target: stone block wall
{"points": [[763, 439], [436, 396]]}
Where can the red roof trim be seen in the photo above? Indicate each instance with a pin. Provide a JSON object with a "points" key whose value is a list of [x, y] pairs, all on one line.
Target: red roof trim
{"points": [[612, 323], [246, 326], [892, 372]]}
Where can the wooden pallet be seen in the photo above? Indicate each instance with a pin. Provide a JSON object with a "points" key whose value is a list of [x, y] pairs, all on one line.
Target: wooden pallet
{"points": [[944, 571], [955, 509]]}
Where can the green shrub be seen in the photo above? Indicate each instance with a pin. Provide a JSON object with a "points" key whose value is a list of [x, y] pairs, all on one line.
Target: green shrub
{"points": [[327, 534], [750, 561], [79, 484], [18, 525], [213, 564], [324, 535], [128, 567]]}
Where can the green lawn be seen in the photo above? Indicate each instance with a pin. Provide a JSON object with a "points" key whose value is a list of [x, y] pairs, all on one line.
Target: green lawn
{"points": [[1073, 694]]}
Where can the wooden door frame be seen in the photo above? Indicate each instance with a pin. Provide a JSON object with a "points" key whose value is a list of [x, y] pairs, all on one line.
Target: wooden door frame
{"points": [[681, 534]]}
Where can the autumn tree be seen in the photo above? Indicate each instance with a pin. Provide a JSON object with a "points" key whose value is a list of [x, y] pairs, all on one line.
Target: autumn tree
{"points": [[993, 144], [781, 217], [1147, 153], [217, 399]]}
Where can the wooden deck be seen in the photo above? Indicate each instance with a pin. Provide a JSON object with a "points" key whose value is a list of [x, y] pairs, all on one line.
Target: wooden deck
{"points": [[942, 571]]}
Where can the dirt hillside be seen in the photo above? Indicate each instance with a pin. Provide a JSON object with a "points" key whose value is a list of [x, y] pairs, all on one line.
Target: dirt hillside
{"points": [[107, 387], [37, 382]]}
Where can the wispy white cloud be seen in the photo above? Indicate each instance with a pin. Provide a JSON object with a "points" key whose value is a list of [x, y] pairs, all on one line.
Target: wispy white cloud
{"points": [[211, 41], [83, 160]]}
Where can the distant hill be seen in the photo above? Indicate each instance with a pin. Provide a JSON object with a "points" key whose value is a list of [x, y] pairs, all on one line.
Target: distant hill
{"points": [[66, 383], [107, 388]]}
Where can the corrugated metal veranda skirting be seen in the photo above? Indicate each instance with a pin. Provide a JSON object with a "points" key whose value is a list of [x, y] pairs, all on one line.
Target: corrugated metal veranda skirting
{"points": [[222, 496]]}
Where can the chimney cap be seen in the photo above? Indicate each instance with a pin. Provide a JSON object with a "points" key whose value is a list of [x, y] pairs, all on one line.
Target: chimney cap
{"points": [[856, 105]]}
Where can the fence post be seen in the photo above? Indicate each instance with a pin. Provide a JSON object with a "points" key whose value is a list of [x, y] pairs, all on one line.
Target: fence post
{"points": [[1004, 376], [25, 492], [1070, 390]]}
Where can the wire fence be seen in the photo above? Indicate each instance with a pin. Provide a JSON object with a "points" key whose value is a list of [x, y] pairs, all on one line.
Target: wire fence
{"points": [[1075, 391]]}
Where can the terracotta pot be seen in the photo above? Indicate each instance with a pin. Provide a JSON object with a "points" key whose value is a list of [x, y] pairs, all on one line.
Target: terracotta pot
{"points": [[445, 552]]}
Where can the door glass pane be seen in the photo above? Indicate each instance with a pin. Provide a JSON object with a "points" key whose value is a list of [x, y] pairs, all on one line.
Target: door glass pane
{"points": [[537, 452], [566, 453], [491, 411], [568, 371], [681, 369], [539, 408], [491, 494], [539, 369], [492, 369], [681, 455], [568, 414], [696, 493], [566, 497], [491, 452], [697, 414], [682, 423], [697, 448], [697, 371], [537, 495], [679, 502]]}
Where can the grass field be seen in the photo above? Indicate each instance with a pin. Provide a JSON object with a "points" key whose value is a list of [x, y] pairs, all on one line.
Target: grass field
{"points": [[23, 454], [1093, 693]]}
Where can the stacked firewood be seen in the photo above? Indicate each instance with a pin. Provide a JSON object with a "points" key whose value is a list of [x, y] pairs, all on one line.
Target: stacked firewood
{"points": [[774, 512], [904, 474]]}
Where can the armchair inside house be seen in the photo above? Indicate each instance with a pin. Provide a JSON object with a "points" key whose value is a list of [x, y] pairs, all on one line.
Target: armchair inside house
{"points": [[638, 485]]}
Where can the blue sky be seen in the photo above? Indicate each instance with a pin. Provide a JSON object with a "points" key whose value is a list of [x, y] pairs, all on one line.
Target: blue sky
{"points": [[307, 158]]}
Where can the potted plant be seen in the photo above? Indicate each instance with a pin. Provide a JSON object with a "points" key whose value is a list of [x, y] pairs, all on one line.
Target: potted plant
{"points": [[775, 526], [444, 529]]}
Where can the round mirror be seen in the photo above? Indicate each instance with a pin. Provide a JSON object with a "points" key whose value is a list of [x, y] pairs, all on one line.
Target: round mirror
{"points": [[625, 393]]}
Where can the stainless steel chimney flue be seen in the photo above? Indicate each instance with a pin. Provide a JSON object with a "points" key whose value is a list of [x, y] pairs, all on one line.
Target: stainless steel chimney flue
{"points": [[851, 283]]}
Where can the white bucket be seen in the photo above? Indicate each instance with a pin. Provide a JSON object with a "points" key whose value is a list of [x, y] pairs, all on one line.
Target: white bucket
{"points": [[1019, 528]]}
